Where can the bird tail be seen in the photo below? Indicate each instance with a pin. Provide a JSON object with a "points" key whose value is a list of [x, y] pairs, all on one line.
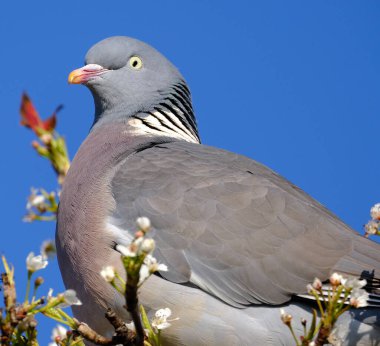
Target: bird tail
{"points": [[363, 262], [364, 259]]}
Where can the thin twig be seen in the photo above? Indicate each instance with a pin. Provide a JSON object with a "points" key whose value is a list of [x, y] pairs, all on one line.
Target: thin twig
{"points": [[123, 335], [89, 334], [132, 301]]}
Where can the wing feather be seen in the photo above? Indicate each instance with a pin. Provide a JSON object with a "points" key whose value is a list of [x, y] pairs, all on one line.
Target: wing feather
{"points": [[230, 225]]}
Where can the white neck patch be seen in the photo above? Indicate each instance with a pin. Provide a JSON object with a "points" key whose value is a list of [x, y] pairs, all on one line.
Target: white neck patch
{"points": [[157, 124]]}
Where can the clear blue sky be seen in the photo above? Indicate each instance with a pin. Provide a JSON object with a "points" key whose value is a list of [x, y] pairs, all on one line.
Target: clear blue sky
{"points": [[292, 84]]}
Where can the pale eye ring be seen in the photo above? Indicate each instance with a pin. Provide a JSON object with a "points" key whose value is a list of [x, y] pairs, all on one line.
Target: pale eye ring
{"points": [[135, 62]]}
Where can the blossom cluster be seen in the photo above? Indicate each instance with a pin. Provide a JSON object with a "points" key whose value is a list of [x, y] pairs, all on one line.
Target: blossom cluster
{"points": [[18, 320], [333, 299], [373, 226], [140, 252], [41, 205], [140, 249], [140, 264], [352, 287]]}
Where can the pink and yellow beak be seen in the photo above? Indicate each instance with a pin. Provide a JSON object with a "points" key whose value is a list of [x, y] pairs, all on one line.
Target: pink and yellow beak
{"points": [[85, 73]]}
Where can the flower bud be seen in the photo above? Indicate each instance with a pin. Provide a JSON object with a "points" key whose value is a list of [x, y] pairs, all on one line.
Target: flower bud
{"points": [[46, 138], [59, 333], [139, 234], [148, 246], [317, 284], [286, 318], [108, 273], [335, 279], [35, 144], [143, 223], [39, 281]]}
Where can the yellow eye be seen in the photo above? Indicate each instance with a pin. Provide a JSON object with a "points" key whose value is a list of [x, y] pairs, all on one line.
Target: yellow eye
{"points": [[135, 62]]}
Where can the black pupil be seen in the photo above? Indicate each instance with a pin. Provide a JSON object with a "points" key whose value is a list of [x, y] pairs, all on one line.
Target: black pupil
{"points": [[134, 63]]}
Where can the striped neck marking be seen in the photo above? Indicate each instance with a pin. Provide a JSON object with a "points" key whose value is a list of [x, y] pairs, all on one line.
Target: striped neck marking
{"points": [[172, 117]]}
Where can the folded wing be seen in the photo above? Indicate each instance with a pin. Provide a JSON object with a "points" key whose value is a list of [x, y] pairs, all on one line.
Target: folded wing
{"points": [[232, 226]]}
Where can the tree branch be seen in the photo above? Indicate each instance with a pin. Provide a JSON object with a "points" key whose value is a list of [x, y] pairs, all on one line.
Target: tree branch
{"points": [[132, 301]]}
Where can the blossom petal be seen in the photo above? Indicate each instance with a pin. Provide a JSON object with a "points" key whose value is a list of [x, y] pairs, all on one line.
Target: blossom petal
{"points": [[125, 251], [108, 273], [70, 298], [34, 263]]}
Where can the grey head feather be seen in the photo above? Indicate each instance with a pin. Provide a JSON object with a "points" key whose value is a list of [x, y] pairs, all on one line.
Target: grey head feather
{"points": [[123, 91]]}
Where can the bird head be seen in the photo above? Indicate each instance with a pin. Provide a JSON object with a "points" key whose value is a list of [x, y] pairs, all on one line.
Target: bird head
{"points": [[126, 76]]}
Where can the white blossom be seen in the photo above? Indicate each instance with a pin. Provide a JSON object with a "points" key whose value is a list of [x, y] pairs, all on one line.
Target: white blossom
{"points": [[35, 200], [359, 298], [133, 249], [108, 273], [144, 273], [336, 279], [149, 267], [353, 283], [58, 334], [143, 223], [160, 320], [126, 251], [160, 267], [50, 294], [131, 326], [28, 218], [372, 227], [375, 211], [153, 265], [70, 298], [34, 263], [148, 245], [338, 334]]}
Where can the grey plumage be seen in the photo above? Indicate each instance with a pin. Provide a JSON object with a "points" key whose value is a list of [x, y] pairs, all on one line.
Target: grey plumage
{"points": [[232, 232]]}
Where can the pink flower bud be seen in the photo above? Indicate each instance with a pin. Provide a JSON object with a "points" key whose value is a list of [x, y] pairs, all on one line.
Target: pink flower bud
{"points": [[317, 284], [335, 279]]}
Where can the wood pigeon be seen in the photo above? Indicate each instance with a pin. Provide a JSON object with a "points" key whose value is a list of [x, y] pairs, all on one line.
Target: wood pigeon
{"points": [[239, 240]]}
